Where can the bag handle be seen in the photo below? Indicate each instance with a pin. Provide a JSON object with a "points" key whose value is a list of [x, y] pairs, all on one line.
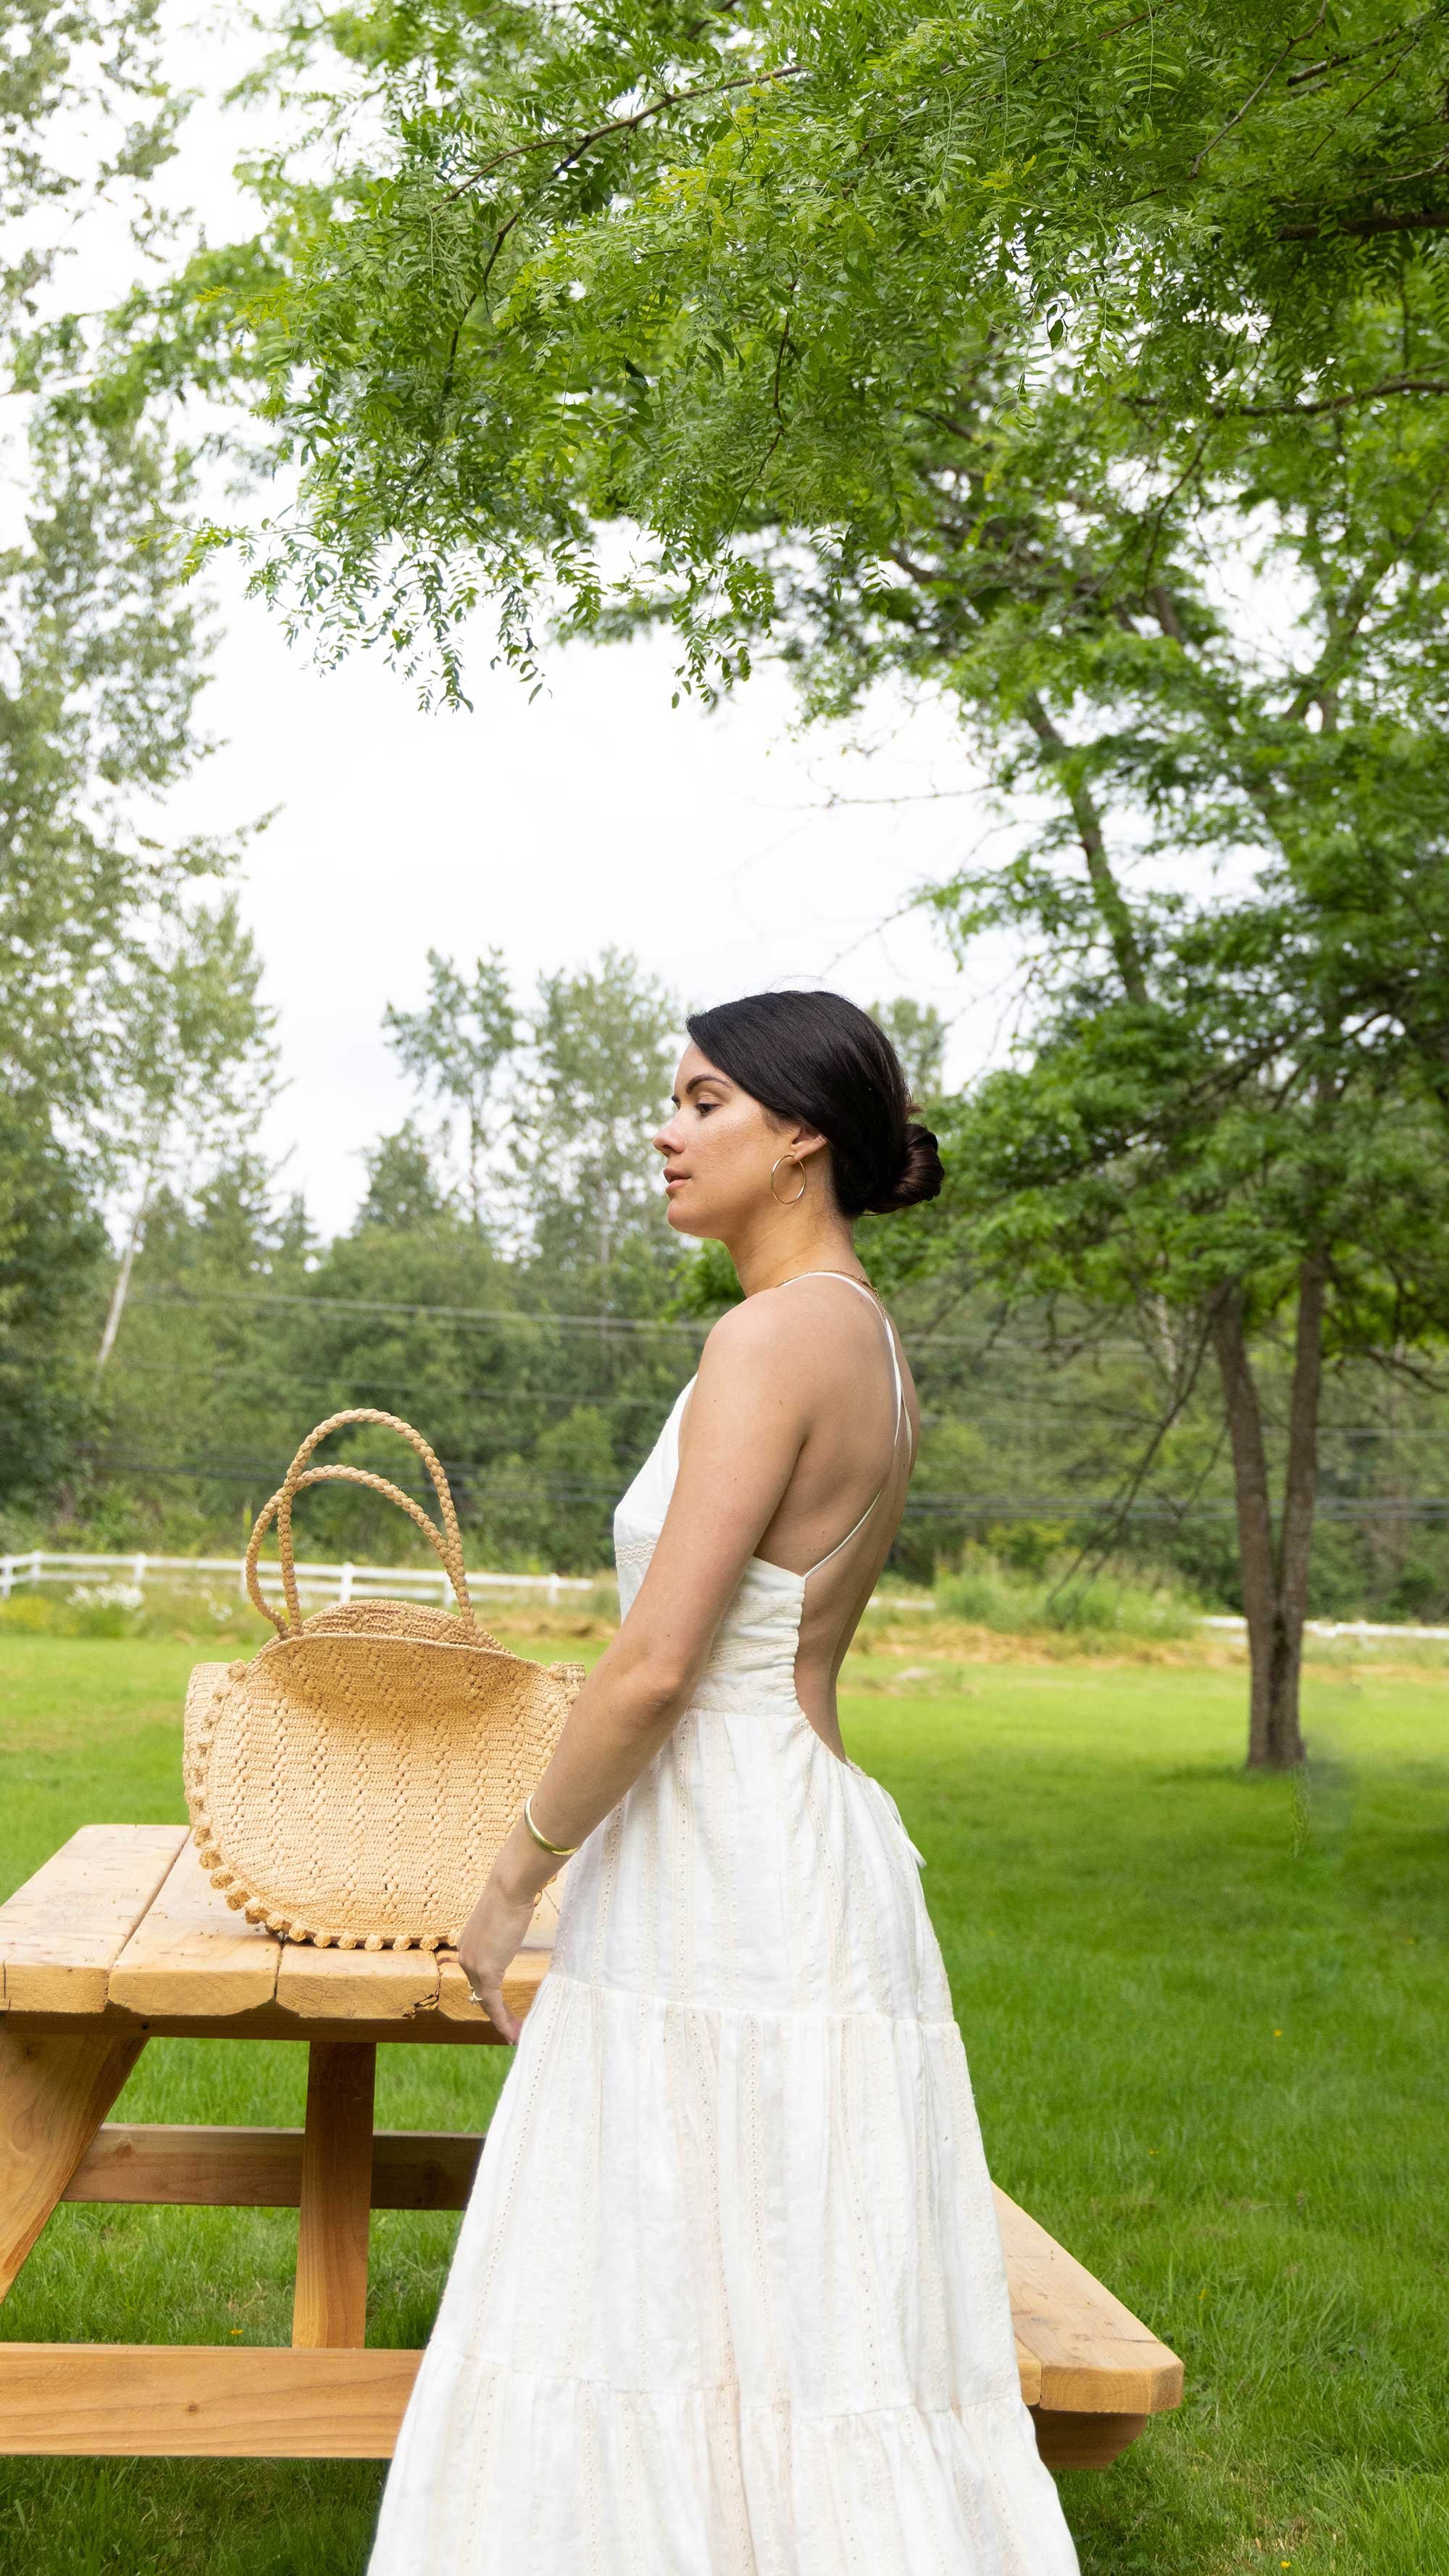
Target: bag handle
{"points": [[447, 1542], [379, 1485]]}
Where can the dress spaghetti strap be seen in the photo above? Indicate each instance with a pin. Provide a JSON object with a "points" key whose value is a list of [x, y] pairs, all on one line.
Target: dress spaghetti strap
{"points": [[869, 1293]]}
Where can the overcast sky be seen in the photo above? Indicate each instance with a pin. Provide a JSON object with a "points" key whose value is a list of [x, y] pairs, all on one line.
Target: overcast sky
{"points": [[595, 815], [709, 846]]}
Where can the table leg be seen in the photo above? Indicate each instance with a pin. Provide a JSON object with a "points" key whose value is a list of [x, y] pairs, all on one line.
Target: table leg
{"points": [[331, 2299], [54, 2093]]}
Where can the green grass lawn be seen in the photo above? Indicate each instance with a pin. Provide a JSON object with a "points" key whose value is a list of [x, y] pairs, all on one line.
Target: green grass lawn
{"points": [[1208, 2027]]}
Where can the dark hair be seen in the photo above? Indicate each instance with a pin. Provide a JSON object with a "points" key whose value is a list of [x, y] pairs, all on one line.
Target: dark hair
{"points": [[816, 1056]]}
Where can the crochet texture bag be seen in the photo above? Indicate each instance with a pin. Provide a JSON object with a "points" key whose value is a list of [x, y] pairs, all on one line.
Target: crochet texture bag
{"points": [[354, 1781]]}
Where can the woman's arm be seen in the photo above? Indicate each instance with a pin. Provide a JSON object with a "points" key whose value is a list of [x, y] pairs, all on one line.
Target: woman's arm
{"points": [[745, 1421]]}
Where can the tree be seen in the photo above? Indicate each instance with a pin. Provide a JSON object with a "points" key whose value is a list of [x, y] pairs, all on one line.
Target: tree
{"points": [[118, 993], [100, 643], [456, 1046], [404, 1194], [87, 72], [595, 1085], [1225, 1145], [918, 1033], [100, 668], [50, 1245], [190, 1050]]}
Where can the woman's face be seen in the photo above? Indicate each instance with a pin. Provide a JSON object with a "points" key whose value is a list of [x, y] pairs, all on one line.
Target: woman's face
{"points": [[718, 1150]]}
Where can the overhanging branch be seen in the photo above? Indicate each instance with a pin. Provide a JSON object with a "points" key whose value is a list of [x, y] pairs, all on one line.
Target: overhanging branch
{"points": [[1428, 220], [1116, 918], [574, 150]]}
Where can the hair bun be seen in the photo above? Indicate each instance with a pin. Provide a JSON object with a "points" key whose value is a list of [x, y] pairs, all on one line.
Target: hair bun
{"points": [[919, 1175]]}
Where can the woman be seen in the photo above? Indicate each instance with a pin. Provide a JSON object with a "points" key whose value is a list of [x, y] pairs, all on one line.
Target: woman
{"points": [[728, 2299]]}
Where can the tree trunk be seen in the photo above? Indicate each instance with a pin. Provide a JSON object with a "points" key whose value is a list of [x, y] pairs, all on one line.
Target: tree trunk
{"points": [[119, 1292], [1255, 1518], [1300, 1488], [1274, 1578]]}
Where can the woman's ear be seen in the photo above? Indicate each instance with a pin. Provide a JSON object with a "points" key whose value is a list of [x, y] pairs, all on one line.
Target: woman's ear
{"points": [[804, 1141]]}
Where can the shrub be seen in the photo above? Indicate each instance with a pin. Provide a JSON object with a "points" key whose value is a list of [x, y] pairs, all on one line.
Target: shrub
{"points": [[988, 1594]]}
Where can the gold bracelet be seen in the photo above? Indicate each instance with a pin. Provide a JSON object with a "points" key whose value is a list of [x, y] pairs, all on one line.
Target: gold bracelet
{"points": [[561, 1851]]}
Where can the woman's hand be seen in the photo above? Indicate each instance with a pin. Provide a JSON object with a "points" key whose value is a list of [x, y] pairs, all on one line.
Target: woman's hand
{"points": [[488, 1944]]}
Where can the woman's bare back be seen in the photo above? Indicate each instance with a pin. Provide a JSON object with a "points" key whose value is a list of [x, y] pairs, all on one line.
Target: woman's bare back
{"points": [[838, 1518]]}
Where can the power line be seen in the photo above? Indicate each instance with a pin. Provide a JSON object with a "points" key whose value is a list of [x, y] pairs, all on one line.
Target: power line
{"points": [[1049, 1507], [256, 1473], [544, 1317], [984, 1345], [983, 1400], [1332, 1507], [376, 1386], [511, 1316]]}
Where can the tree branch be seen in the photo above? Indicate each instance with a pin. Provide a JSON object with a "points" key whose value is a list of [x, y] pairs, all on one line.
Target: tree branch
{"points": [[1340, 62], [1095, 1551], [1346, 623], [618, 125], [1331, 402], [1116, 919], [1426, 222], [1103, 37], [1254, 94]]}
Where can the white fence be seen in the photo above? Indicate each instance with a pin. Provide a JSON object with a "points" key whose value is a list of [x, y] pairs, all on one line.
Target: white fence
{"points": [[422, 1582], [319, 1582], [1331, 1628]]}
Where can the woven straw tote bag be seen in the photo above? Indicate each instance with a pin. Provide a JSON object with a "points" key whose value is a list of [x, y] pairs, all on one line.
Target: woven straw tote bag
{"points": [[354, 1782]]}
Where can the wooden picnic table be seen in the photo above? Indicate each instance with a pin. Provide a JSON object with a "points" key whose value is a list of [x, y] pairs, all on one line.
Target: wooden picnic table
{"points": [[121, 1938]]}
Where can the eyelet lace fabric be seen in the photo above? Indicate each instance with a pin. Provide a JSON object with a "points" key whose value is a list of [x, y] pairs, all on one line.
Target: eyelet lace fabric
{"points": [[728, 2298]]}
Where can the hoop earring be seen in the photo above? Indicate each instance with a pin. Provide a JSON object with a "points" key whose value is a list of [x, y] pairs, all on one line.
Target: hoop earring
{"points": [[804, 1180]]}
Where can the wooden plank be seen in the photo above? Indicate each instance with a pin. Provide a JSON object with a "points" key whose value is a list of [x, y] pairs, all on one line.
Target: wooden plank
{"points": [[423, 2169], [357, 1985], [193, 1955], [1094, 2356], [268, 2022], [201, 2401], [331, 2300], [208, 2401], [1084, 2441], [186, 2167], [191, 2167], [54, 2094], [262, 2168], [62, 1931]]}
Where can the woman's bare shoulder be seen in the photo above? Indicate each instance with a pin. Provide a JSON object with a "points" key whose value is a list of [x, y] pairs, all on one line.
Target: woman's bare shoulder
{"points": [[806, 1322]]}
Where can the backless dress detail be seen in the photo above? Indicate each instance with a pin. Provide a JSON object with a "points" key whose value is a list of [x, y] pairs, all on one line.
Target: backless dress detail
{"points": [[728, 2297]]}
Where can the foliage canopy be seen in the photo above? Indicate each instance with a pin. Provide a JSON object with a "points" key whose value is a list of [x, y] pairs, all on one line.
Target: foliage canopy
{"points": [[720, 272]]}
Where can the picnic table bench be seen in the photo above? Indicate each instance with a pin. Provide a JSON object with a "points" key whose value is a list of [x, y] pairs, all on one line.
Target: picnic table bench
{"points": [[121, 1938]]}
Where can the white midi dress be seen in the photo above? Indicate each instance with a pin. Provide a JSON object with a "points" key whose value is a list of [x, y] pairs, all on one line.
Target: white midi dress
{"points": [[728, 2298]]}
